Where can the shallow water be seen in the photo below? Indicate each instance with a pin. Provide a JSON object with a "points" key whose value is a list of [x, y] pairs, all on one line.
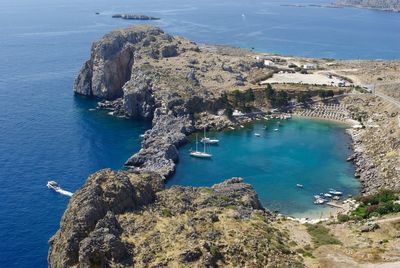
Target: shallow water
{"points": [[46, 132], [308, 152]]}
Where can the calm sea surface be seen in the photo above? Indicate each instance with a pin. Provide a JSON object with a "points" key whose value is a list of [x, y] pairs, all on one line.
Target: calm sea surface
{"points": [[46, 132], [308, 152]]}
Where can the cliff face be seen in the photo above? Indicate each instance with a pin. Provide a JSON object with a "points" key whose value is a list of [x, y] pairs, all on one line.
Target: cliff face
{"points": [[121, 219]]}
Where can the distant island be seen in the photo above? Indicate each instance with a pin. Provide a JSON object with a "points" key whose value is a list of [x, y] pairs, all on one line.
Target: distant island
{"points": [[134, 17], [385, 5]]}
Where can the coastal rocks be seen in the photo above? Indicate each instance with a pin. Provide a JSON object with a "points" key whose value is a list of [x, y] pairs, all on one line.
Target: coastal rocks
{"points": [[88, 224], [159, 148]]}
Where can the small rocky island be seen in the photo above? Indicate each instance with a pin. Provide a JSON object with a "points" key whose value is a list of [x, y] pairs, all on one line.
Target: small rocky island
{"points": [[134, 17], [128, 218], [384, 5]]}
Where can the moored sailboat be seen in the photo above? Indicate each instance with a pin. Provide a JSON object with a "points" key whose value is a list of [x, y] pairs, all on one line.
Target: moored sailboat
{"points": [[198, 153]]}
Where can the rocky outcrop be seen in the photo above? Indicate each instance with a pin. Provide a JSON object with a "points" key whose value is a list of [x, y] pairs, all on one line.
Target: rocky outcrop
{"points": [[138, 101], [121, 219], [112, 58], [159, 151], [89, 233]]}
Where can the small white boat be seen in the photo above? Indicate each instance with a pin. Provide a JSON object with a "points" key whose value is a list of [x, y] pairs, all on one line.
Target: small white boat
{"points": [[200, 154], [299, 185], [141, 136], [319, 201], [241, 126], [53, 185], [334, 192], [327, 195], [232, 128], [336, 197], [207, 140], [276, 129], [317, 196], [257, 134]]}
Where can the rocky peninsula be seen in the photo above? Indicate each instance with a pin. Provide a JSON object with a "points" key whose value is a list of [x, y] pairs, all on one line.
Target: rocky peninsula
{"points": [[126, 218]]}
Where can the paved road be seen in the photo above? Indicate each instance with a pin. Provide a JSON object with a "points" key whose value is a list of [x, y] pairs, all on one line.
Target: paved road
{"points": [[387, 98]]}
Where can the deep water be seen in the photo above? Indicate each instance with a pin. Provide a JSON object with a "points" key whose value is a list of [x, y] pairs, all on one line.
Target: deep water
{"points": [[47, 133], [308, 152]]}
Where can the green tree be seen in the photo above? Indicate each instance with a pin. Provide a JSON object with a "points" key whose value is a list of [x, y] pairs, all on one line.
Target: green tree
{"points": [[303, 97], [249, 96], [281, 99]]}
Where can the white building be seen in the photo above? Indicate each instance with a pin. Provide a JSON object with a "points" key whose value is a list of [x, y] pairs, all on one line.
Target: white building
{"points": [[309, 66], [268, 63]]}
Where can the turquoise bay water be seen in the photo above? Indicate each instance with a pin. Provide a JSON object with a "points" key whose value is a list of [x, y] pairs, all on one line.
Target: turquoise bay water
{"points": [[308, 152], [46, 132]]}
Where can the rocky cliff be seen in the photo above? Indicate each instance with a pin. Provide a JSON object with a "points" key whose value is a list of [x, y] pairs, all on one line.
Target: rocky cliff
{"points": [[142, 72], [121, 219]]}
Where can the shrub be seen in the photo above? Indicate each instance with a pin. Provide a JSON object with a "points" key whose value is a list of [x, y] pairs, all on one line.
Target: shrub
{"points": [[343, 217], [321, 236], [166, 212]]}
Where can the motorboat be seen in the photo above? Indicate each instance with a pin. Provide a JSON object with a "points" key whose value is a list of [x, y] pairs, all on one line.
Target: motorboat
{"points": [[257, 134], [207, 140], [53, 185], [334, 192], [319, 201], [299, 185], [276, 129], [328, 195]]}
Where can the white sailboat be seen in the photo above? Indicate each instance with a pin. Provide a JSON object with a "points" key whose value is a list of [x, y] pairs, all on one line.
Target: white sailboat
{"points": [[199, 154], [207, 140]]}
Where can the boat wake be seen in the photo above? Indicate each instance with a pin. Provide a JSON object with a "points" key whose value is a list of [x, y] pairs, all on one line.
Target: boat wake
{"points": [[56, 188], [64, 192]]}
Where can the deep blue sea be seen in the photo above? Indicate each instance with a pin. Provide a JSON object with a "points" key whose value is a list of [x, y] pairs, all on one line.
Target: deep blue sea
{"points": [[46, 132]]}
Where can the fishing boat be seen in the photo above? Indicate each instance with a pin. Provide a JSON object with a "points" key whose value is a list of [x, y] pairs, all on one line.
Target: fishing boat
{"points": [[334, 192], [198, 153], [207, 140], [299, 185]]}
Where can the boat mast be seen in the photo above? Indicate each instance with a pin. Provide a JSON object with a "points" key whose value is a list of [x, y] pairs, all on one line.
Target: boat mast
{"points": [[197, 144]]}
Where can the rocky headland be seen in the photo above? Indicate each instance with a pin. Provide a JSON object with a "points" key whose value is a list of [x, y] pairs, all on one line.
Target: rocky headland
{"points": [[123, 219], [127, 218]]}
